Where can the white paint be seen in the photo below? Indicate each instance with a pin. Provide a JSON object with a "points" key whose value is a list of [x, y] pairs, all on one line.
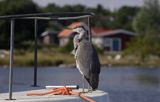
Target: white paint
{"points": [[98, 96], [61, 86]]}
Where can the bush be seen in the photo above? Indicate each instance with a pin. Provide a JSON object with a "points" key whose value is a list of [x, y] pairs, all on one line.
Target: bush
{"points": [[67, 48], [98, 49]]}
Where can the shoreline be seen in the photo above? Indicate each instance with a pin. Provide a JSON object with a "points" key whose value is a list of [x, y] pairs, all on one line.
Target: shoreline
{"points": [[74, 66], [53, 57]]}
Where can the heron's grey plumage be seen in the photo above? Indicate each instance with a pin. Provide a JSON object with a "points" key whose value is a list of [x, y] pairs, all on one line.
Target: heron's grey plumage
{"points": [[87, 60], [75, 44]]}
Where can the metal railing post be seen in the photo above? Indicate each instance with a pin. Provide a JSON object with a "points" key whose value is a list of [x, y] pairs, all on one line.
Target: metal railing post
{"points": [[89, 31], [35, 54], [11, 59]]}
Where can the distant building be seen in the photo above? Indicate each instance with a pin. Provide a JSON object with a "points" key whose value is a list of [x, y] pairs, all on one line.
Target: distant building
{"points": [[110, 40], [50, 38]]}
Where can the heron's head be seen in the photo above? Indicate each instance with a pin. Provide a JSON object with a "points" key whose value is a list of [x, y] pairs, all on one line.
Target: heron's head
{"points": [[82, 30]]}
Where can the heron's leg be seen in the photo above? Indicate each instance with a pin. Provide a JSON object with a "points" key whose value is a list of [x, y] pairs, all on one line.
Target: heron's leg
{"points": [[83, 83], [89, 88]]}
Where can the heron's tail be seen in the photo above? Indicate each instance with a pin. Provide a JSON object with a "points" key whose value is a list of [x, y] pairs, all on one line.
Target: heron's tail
{"points": [[93, 81]]}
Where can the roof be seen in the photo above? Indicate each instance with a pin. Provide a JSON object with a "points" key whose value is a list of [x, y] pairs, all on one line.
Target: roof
{"points": [[58, 15], [67, 32], [48, 33], [96, 31], [116, 31]]}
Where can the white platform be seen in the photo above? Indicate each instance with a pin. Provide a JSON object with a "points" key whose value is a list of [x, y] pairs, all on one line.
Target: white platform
{"points": [[98, 96]]}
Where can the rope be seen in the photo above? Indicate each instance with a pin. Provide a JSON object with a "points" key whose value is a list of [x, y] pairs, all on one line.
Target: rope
{"points": [[62, 91]]}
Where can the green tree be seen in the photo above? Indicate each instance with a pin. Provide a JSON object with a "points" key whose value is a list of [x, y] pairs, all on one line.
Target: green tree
{"points": [[101, 18], [147, 26], [52, 8], [148, 18], [23, 28], [124, 17]]}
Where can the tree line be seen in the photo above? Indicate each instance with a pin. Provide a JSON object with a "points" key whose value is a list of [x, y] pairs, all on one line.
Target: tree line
{"points": [[24, 29], [142, 20]]}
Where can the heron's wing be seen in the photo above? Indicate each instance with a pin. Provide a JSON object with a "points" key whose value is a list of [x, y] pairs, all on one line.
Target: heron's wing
{"points": [[95, 64], [83, 57], [87, 58], [94, 70]]}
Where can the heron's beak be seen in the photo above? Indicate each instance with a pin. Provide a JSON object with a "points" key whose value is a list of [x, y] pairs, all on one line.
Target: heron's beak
{"points": [[74, 30], [69, 28]]}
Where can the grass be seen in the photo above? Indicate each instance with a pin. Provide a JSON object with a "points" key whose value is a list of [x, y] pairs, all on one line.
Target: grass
{"points": [[55, 56], [46, 57]]}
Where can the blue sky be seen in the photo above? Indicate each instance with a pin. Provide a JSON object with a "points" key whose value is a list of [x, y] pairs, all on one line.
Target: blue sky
{"points": [[110, 4]]}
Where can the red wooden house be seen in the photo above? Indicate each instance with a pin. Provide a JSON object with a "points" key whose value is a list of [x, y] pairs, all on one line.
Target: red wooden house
{"points": [[110, 40]]}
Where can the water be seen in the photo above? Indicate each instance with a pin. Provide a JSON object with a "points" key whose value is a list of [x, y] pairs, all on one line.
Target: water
{"points": [[122, 84]]}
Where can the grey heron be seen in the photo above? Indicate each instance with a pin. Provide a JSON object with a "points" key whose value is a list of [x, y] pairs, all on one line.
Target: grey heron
{"points": [[86, 57]]}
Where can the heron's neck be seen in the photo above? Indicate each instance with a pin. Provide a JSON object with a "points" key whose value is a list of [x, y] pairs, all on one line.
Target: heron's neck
{"points": [[83, 35]]}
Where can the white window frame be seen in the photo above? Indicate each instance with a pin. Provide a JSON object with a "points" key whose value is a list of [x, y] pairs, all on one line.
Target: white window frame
{"points": [[111, 43], [120, 44]]}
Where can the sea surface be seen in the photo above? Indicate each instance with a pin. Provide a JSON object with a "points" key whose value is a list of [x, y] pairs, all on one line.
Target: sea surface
{"points": [[123, 84]]}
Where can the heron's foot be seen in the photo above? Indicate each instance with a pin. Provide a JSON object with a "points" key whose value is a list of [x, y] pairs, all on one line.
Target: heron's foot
{"points": [[83, 90], [90, 90]]}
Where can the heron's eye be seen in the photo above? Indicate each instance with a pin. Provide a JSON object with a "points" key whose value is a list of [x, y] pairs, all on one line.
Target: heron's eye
{"points": [[80, 29]]}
